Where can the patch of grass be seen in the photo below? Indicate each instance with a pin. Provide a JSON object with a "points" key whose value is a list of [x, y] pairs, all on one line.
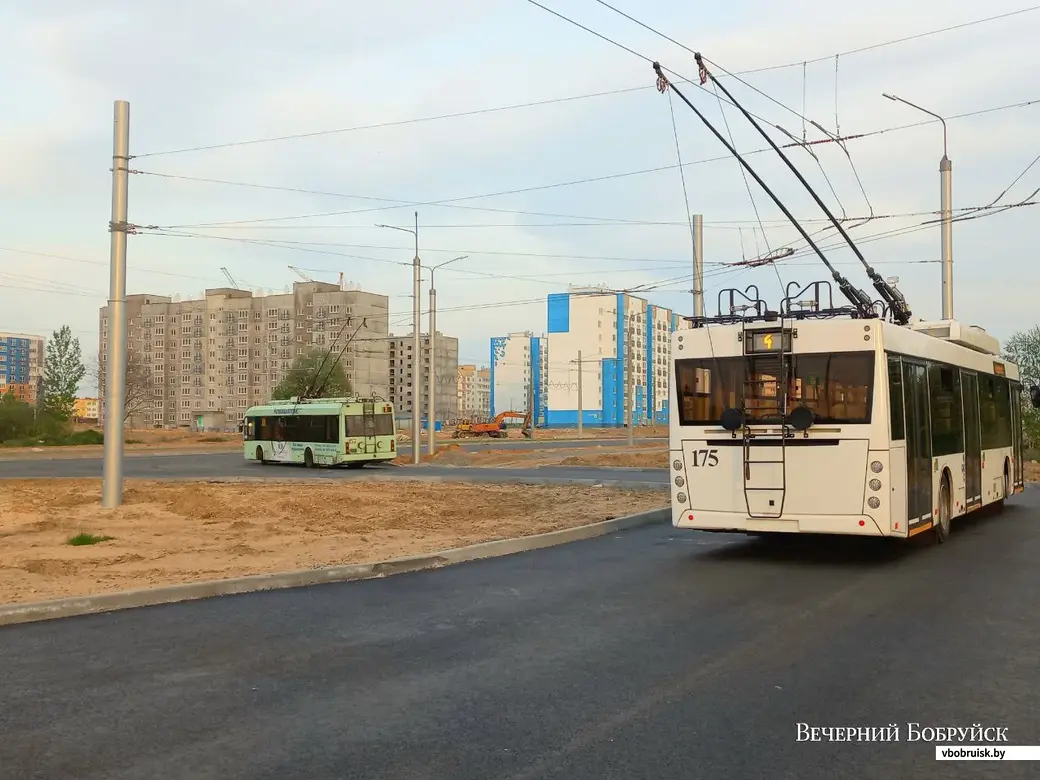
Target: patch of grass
{"points": [[132, 441], [57, 440], [85, 437], [212, 439], [79, 540]]}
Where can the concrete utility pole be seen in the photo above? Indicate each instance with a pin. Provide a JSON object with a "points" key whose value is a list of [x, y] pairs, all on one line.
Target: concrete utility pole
{"points": [[698, 265], [946, 212], [416, 342], [530, 400], [115, 359], [581, 414], [630, 391], [431, 425]]}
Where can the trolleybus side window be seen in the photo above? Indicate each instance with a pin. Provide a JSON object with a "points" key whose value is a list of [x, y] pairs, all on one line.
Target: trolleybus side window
{"points": [[995, 410], [944, 395], [317, 428], [895, 394]]}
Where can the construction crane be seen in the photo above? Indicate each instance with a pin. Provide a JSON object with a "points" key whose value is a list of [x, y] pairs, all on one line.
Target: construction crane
{"points": [[300, 273], [229, 277]]}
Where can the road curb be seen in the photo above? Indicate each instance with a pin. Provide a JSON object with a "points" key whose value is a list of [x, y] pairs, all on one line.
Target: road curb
{"points": [[472, 479], [11, 614]]}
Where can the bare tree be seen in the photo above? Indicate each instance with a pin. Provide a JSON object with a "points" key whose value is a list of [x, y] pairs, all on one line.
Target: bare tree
{"points": [[139, 385]]}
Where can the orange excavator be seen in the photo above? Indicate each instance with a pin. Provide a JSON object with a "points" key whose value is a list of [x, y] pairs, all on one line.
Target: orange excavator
{"points": [[496, 429]]}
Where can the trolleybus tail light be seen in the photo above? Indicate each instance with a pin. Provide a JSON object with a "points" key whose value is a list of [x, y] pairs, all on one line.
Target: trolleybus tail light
{"points": [[875, 485], [393, 446], [876, 466], [677, 465], [873, 502], [679, 481], [862, 522], [386, 409], [682, 500]]}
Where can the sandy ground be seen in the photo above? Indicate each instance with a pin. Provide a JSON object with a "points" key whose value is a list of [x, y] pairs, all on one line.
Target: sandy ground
{"points": [[168, 533]]}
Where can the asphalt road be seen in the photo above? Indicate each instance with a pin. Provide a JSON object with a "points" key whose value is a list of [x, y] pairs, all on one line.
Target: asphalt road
{"points": [[648, 654], [232, 464]]}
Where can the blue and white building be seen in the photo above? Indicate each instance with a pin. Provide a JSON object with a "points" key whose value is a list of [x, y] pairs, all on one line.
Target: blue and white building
{"points": [[21, 364], [518, 373], [613, 332]]}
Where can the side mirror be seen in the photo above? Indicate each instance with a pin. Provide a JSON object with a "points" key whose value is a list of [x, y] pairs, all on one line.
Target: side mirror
{"points": [[732, 419], [801, 418], [1034, 397]]}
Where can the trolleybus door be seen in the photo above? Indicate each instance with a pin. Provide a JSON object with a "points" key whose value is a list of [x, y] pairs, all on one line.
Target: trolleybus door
{"points": [[972, 439], [918, 445]]}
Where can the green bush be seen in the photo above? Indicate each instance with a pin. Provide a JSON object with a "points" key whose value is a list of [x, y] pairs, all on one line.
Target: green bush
{"points": [[85, 437]]}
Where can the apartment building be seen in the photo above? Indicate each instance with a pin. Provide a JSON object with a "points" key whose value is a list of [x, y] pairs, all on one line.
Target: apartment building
{"points": [[86, 409], [209, 359], [625, 342], [447, 370], [474, 393], [22, 358], [518, 375]]}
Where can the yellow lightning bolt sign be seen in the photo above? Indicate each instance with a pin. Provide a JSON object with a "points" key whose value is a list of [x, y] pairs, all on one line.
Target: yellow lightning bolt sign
{"points": [[768, 340]]}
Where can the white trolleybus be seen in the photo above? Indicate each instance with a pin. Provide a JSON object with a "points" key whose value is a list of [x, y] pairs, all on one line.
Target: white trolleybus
{"points": [[859, 419], [831, 423], [321, 432]]}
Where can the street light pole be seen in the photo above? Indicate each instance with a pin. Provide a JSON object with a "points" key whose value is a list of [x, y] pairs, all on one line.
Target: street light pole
{"points": [[416, 340], [431, 416], [946, 211]]}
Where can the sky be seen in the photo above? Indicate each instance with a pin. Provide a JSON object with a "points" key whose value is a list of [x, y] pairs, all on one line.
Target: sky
{"points": [[582, 189]]}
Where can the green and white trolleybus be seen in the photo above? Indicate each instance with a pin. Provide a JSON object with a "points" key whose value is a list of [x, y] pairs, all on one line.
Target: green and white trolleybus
{"points": [[321, 432]]}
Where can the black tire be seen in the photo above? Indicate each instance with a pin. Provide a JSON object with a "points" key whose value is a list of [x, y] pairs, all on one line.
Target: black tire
{"points": [[260, 455], [308, 458], [945, 521]]}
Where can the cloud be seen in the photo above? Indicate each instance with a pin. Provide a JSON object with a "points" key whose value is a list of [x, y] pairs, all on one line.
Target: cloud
{"points": [[199, 73]]}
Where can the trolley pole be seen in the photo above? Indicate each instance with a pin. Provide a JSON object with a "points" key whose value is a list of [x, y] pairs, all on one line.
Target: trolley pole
{"points": [[698, 265], [115, 359]]}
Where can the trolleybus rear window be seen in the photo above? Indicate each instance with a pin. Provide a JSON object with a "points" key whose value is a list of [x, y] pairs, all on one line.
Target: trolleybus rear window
{"points": [[836, 386]]}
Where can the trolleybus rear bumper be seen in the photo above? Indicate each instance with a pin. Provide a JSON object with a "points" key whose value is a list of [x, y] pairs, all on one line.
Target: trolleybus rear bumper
{"points": [[853, 525]]}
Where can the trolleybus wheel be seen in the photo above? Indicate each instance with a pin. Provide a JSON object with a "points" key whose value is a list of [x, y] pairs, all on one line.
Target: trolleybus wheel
{"points": [[942, 528], [308, 458], [260, 455]]}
